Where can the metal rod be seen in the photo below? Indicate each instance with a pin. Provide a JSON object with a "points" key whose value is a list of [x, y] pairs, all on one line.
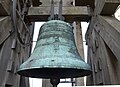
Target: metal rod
{"points": [[51, 11], [14, 16], [60, 17], [23, 21], [60, 10]]}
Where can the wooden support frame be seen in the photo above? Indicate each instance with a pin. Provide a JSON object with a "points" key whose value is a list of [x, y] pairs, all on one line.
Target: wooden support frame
{"points": [[85, 3], [5, 7], [106, 30], [71, 14], [5, 31], [36, 3], [106, 7], [109, 30]]}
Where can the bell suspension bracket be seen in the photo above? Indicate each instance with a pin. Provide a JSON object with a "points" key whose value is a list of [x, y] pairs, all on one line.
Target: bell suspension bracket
{"points": [[56, 16]]}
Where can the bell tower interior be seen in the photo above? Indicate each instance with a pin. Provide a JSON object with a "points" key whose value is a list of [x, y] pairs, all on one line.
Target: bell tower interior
{"points": [[17, 25]]}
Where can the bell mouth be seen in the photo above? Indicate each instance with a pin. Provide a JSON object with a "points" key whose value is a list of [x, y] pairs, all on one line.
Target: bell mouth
{"points": [[48, 73]]}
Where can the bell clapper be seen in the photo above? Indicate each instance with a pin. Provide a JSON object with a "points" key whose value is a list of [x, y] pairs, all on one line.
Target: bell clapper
{"points": [[54, 81]]}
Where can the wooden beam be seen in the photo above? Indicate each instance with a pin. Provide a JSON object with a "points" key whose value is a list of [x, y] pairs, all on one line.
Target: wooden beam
{"points": [[85, 3], [109, 29], [48, 2], [70, 13], [35, 2], [5, 31], [106, 7], [79, 44], [79, 39], [5, 7]]}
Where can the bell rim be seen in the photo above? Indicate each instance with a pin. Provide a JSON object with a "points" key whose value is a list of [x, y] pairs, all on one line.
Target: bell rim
{"points": [[51, 72]]}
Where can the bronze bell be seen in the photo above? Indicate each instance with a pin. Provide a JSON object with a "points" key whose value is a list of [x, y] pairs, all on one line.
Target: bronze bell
{"points": [[55, 54]]}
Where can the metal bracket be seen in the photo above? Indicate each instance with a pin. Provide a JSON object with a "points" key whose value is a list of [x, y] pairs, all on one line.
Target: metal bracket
{"points": [[60, 17], [56, 16], [51, 11]]}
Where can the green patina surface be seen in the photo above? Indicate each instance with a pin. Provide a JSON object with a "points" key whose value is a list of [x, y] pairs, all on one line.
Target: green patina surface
{"points": [[55, 54]]}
